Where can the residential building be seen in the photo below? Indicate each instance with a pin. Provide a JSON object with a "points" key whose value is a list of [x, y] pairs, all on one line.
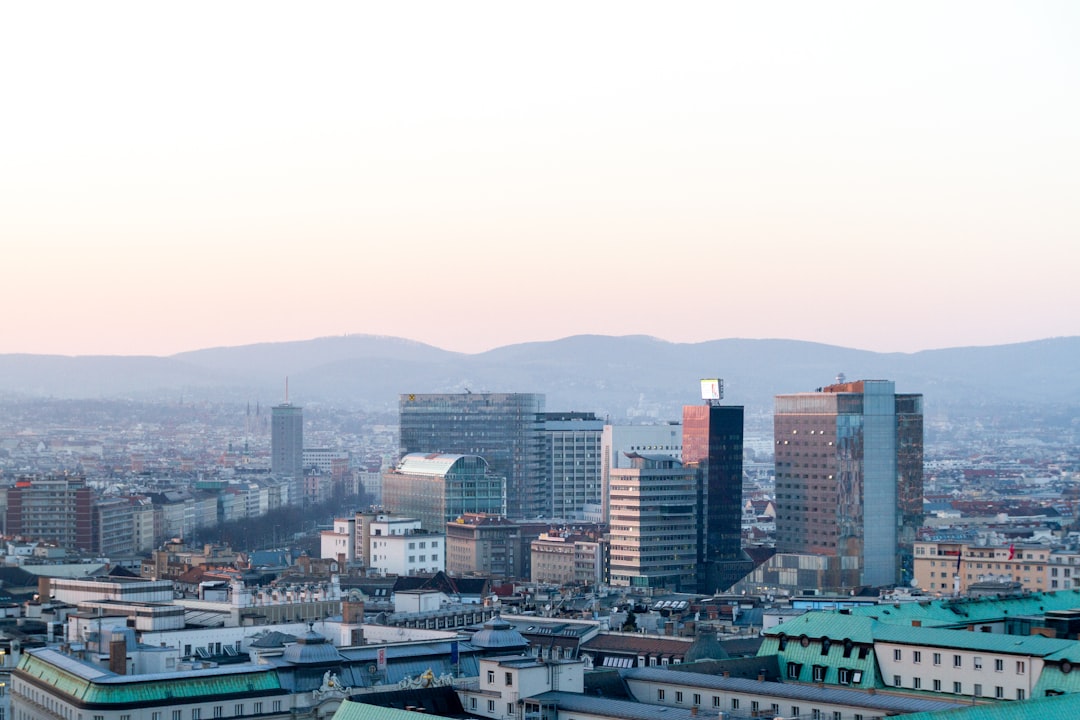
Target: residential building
{"points": [[400, 546], [947, 566], [339, 543], [437, 488], [483, 544], [654, 532], [567, 560], [57, 510], [506, 429], [327, 461], [849, 481]]}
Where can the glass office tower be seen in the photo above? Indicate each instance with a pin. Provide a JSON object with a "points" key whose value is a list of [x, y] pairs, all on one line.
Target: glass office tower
{"points": [[506, 429], [849, 479]]}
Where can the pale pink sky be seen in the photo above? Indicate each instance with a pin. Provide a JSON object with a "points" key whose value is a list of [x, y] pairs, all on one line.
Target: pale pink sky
{"points": [[887, 177]]}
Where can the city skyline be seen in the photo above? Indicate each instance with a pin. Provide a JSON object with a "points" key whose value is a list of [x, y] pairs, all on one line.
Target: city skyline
{"points": [[886, 178]]}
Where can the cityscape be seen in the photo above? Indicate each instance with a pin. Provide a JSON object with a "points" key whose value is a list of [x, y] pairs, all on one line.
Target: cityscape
{"points": [[480, 554], [577, 361]]}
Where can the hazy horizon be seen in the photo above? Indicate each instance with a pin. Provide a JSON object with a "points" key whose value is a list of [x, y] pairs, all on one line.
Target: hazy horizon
{"points": [[539, 340], [892, 178]]}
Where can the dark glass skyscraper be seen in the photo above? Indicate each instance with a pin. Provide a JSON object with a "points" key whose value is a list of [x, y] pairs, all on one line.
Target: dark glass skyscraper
{"points": [[713, 444], [849, 480], [506, 429]]}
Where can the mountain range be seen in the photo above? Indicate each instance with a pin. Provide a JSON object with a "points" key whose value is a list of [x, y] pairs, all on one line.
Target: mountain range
{"points": [[635, 377]]}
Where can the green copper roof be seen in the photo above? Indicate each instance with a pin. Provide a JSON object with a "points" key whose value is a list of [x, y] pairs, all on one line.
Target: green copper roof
{"points": [[90, 684], [1035, 645], [1062, 707], [962, 611]]}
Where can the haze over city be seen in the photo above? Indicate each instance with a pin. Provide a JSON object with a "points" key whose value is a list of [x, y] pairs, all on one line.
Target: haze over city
{"points": [[885, 177]]}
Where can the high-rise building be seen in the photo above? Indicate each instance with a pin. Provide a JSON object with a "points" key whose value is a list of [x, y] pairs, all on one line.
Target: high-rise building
{"points": [[849, 480], [506, 429], [654, 533], [440, 487], [287, 440], [618, 442], [58, 510], [572, 442], [712, 443]]}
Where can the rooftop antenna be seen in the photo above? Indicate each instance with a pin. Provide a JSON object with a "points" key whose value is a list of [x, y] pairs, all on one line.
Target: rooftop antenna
{"points": [[286, 389]]}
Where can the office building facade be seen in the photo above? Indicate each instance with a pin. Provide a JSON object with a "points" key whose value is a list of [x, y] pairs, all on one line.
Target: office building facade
{"points": [[654, 527], [712, 444], [572, 442], [848, 470], [506, 429], [617, 441], [437, 488]]}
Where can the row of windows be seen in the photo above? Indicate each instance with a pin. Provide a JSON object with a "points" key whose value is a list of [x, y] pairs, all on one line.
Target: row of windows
{"points": [[958, 661], [755, 706], [957, 687]]}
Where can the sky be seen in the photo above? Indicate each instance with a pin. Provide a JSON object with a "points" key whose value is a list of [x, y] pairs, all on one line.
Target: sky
{"points": [[884, 176]]}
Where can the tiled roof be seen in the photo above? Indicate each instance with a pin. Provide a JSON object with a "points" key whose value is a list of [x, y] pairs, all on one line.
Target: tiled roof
{"points": [[887, 702], [607, 707], [641, 644]]}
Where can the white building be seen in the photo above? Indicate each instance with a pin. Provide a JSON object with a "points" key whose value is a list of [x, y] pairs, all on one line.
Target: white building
{"points": [[400, 547], [617, 440], [340, 542]]}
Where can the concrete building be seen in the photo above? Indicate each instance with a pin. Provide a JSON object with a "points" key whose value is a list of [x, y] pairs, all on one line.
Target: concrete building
{"points": [[483, 544], [437, 488], [567, 560], [506, 429], [339, 543], [400, 546], [573, 443], [654, 531], [57, 510], [617, 441], [952, 566], [287, 440], [327, 461], [849, 481]]}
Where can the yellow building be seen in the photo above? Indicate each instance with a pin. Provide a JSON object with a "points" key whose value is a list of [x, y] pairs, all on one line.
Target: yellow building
{"points": [[939, 564]]}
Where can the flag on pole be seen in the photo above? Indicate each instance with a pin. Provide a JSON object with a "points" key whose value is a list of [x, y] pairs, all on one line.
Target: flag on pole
{"points": [[959, 556], [1012, 551]]}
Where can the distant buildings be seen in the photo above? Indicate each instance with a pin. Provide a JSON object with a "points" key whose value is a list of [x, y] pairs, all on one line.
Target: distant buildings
{"points": [[287, 441], [506, 429], [654, 525], [848, 485], [437, 488]]}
